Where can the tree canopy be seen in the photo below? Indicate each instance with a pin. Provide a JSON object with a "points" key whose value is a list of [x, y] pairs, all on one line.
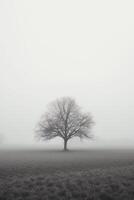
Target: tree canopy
{"points": [[65, 119]]}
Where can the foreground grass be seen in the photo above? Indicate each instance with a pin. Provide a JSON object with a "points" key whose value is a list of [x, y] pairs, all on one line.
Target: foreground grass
{"points": [[80, 176], [100, 184]]}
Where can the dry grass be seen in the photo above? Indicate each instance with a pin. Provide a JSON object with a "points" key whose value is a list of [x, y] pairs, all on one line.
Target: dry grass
{"points": [[103, 182]]}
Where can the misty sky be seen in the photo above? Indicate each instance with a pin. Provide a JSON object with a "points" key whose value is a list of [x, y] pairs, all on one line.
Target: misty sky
{"points": [[78, 48]]}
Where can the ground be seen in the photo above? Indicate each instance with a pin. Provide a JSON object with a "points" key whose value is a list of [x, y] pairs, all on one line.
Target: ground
{"points": [[82, 175]]}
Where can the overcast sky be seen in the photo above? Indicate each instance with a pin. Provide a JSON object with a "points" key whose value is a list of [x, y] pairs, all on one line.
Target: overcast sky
{"points": [[78, 48]]}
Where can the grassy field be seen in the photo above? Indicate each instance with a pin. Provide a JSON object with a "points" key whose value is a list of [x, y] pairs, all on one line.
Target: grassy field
{"points": [[82, 175]]}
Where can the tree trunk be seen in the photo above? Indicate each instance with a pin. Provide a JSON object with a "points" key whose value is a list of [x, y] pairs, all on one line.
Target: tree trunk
{"points": [[65, 145]]}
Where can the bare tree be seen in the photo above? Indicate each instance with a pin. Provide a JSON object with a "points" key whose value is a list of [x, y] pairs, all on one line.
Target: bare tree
{"points": [[64, 119]]}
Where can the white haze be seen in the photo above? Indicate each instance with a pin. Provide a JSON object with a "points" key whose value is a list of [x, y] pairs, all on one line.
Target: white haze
{"points": [[83, 49]]}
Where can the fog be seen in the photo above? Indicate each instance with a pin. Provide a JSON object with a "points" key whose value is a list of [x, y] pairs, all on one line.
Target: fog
{"points": [[82, 49]]}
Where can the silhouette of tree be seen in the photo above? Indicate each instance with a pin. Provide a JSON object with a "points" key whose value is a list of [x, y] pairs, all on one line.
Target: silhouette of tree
{"points": [[65, 119]]}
